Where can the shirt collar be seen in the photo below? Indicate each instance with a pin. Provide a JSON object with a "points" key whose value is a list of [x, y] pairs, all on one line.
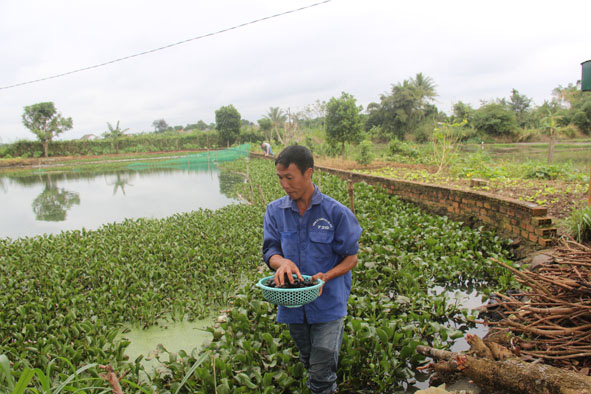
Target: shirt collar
{"points": [[288, 202]]}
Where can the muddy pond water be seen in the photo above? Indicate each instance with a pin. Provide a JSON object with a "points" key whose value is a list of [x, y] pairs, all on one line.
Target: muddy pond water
{"points": [[50, 202], [172, 336], [468, 298]]}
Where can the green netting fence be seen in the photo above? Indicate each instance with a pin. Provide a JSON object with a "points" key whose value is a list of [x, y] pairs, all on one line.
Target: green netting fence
{"points": [[195, 161]]}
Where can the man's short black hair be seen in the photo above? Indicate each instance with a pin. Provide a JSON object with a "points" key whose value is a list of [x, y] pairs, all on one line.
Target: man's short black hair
{"points": [[297, 154]]}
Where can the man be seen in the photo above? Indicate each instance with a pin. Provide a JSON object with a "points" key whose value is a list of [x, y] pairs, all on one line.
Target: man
{"points": [[266, 147], [309, 233]]}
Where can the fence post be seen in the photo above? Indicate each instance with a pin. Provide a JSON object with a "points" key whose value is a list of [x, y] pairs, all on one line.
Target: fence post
{"points": [[351, 196]]}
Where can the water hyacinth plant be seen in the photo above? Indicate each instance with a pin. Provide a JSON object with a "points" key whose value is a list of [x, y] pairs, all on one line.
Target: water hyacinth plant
{"points": [[66, 297]]}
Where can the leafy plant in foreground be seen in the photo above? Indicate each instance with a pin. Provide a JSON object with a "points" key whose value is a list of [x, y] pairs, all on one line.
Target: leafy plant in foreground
{"points": [[579, 223]]}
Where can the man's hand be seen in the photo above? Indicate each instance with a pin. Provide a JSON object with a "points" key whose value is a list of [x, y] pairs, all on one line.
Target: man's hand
{"points": [[323, 277], [282, 267]]}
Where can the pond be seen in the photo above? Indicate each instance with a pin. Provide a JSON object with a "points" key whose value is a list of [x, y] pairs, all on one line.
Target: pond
{"points": [[51, 202], [154, 343]]}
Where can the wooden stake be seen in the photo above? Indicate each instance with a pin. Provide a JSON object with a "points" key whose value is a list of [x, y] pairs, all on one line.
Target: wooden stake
{"points": [[248, 178], [351, 196], [215, 385], [262, 194]]}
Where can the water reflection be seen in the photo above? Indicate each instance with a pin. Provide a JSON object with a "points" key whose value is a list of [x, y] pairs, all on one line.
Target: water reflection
{"points": [[120, 182], [53, 202], [228, 180]]}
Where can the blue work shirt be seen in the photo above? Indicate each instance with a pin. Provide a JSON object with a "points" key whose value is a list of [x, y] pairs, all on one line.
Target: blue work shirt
{"points": [[315, 242]]}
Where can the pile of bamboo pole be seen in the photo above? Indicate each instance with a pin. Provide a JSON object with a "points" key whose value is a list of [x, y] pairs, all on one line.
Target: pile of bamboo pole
{"points": [[552, 321]]}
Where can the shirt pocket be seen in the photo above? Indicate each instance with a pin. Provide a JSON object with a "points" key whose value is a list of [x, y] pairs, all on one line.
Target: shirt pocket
{"points": [[321, 244], [290, 245]]}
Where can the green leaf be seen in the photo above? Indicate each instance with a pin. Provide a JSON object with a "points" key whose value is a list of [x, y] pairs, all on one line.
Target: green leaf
{"points": [[195, 365], [6, 371], [23, 382], [242, 378]]}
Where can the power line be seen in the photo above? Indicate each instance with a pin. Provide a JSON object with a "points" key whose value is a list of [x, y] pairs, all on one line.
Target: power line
{"points": [[166, 46]]}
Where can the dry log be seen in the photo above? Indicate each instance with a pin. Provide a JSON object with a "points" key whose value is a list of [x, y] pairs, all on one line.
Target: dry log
{"points": [[478, 347], [513, 374], [499, 352]]}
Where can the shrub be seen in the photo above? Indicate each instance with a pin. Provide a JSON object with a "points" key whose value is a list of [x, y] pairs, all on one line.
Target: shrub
{"points": [[330, 149], [397, 147], [580, 224], [526, 135], [568, 131], [537, 170], [365, 156], [424, 132], [495, 119]]}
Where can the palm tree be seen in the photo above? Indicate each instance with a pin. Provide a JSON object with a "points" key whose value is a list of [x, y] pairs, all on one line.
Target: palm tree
{"points": [[277, 118], [115, 133], [423, 89]]}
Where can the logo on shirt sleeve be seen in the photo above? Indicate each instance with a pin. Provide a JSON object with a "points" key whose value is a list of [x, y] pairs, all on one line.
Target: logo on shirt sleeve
{"points": [[322, 224]]}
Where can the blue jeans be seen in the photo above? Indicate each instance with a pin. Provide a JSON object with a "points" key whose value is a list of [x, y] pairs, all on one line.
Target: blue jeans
{"points": [[319, 346]]}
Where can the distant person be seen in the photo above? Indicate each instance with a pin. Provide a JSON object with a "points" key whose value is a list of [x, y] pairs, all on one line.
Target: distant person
{"points": [[266, 147]]}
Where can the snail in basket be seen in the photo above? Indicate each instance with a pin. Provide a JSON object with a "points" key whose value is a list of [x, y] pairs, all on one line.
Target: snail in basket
{"points": [[297, 283]]}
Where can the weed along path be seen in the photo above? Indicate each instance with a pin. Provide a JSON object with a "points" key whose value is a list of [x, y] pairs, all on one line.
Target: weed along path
{"points": [[68, 297]]}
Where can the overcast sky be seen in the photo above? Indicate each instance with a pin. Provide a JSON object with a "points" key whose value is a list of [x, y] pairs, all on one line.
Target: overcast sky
{"points": [[473, 50]]}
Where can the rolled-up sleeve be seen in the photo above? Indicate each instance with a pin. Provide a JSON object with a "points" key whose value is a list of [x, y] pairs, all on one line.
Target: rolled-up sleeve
{"points": [[347, 233], [272, 237]]}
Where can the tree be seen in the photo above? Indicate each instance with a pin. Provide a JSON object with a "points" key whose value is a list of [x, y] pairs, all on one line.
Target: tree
{"points": [[160, 125], [292, 125], [580, 113], [227, 121], [494, 119], [424, 90], [519, 104], [115, 133], [265, 125], [568, 96], [404, 108], [45, 122], [277, 118], [314, 114], [462, 111], [343, 121]]}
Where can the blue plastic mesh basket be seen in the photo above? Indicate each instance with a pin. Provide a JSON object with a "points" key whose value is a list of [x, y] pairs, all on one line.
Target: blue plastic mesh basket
{"points": [[291, 298]]}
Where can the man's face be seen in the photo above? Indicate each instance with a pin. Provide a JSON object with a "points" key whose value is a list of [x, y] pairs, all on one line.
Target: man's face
{"points": [[293, 181]]}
